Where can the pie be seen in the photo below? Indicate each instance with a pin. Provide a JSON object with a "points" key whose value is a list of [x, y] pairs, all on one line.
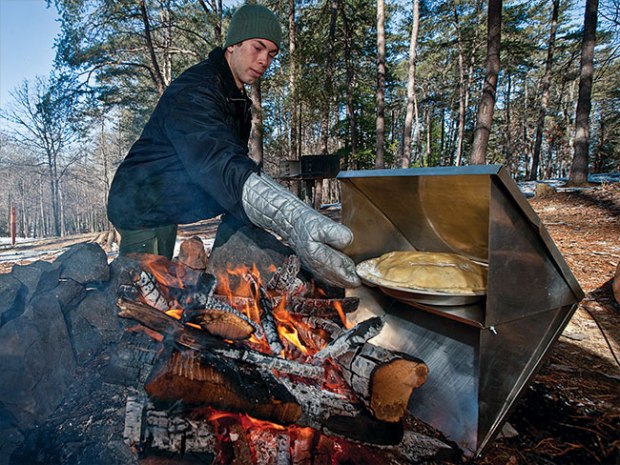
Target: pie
{"points": [[428, 271]]}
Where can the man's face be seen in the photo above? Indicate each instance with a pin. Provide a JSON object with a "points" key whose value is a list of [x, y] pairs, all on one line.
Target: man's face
{"points": [[249, 59]]}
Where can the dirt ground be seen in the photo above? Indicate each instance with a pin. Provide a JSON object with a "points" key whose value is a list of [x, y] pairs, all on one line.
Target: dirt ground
{"points": [[570, 414]]}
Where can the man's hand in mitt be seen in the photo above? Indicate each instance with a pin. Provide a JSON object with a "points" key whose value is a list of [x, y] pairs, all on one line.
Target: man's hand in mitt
{"points": [[315, 238]]}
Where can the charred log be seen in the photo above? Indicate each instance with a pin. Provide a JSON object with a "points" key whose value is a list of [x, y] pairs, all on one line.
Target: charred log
{"points": [[200, 379], [383, 379], [199, 340], [267, 319]]}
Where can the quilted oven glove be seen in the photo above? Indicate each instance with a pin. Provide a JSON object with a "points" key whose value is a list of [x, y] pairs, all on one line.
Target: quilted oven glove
{"points": [[313, 236]]}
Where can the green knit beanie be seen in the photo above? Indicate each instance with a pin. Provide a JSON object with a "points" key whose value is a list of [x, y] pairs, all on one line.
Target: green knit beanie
{"points": [[253, 22]]}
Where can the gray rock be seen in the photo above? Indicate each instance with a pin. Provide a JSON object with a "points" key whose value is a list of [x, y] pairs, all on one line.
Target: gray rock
{"points": [[36, 360], [37, 277], [69, 294], [85, 263], [93, 324], [12, 294]]}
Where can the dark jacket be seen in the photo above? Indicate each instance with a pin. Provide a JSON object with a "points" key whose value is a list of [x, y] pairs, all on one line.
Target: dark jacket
{"points": [[191, 161]]}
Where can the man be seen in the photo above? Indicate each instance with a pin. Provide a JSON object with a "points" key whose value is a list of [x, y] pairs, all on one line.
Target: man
{"points": [[191, 161]]}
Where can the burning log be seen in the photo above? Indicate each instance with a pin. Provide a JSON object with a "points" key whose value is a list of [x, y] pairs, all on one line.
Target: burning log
{"points": [[337, 414], [269, 324], [198, 340], [204, 378], [383, 379], [149, 290], [194, 379], [350, 339], [222, 320], [302, 306], [285, 280]]}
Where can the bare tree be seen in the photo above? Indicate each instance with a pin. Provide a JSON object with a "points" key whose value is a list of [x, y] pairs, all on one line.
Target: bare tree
{"points": [[544, 100], [579, 168], [380, 157], [484, 120], [43, 118], [412, 105]]}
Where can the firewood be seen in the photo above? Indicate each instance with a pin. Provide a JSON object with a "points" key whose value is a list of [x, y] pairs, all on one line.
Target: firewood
{"points": [[325, 308], [169, 431], [350, 339], [220, 319], [304, 306], [337, 414], [149, 290], [199, 340], [192, 253], [269, 325], [285, 280], [206, 379], [223, 324], [383, 379]]}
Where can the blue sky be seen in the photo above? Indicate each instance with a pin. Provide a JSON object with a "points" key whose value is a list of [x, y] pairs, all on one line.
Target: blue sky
{"points": [[27, 32]]}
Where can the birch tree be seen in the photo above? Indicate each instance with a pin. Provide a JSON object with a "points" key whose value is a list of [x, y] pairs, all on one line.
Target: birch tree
{"points": [[380, 155], [412, 106]]}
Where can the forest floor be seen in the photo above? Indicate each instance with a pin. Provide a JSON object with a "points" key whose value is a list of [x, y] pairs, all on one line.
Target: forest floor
{"points": [[570, 413]]}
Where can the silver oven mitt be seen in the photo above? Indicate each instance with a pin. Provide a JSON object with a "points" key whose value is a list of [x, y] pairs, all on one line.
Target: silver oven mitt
{"points": [[312, 236]]}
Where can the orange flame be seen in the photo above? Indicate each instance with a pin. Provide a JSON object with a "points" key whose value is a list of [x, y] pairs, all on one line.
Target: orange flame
{"points": [[175, 313], [244, 419], [347, 324]]}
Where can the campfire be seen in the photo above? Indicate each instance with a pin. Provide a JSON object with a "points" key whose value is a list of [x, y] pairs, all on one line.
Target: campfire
{"points": [[264, 366]]}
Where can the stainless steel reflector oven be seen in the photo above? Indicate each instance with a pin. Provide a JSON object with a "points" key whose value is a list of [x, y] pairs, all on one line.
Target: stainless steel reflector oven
{"points": [[481, 355]]}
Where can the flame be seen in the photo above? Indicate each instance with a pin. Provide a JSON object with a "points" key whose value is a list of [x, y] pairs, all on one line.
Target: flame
{"points": [[175, 313], [163, 270], [244, 419], [347, 324]]}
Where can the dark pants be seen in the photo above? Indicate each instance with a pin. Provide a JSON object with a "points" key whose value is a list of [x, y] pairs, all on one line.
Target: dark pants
{"points": [[157, 241]]}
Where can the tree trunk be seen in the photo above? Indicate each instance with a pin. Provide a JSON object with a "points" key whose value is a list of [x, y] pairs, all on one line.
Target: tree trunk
{"points": [[579, 168], [380, 156], [508, 145], [482, 130], [256, 138], [352, 163], [329, 79], [462, 88], [292, 81], [406, 151], [545, 92], [156, 73]]}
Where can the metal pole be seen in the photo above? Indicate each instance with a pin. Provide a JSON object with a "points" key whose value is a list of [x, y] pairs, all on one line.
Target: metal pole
{"points": [[13, 225]]}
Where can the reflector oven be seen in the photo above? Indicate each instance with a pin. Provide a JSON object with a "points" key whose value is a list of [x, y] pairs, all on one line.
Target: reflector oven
{"points": [[481, 355]]}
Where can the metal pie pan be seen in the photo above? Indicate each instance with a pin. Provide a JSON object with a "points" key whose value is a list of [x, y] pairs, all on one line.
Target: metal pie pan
{"points": [[426, 296]]}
